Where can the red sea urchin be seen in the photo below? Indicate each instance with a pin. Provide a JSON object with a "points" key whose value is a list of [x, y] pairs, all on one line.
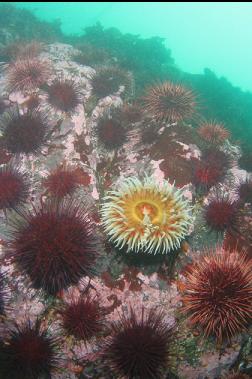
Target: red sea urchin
{"points": [[14, 187], [244, 191], [236, 375], [3, 293], [221, 213], [64, 95], [131, 112], [27, 74], [24, 133], [218, 294], [82, 318], [54, 245], [62, 181], [109, 80], [170, 102], [211, 169], [29, 353], [140, 346], [213, 133], [111, 132]]}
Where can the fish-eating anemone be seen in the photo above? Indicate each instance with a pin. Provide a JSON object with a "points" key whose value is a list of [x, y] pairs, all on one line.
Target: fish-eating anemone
{"points": [[146, 216]]}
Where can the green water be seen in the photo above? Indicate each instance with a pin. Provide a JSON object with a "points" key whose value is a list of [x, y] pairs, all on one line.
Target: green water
{"points": [[214, 35]]}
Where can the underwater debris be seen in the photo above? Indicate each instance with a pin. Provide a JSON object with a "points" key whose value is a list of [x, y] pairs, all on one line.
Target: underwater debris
{"points": [[144, 216], [64, 95], [140, 346], [27, 74], [29, 350], [24, 133], [14, 187], [218, 294], [54, 245], [170, 102]]}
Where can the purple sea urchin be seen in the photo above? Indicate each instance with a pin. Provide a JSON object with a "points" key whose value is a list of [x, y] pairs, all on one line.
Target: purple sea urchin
{"points": [[140, 346], [144, 216], [29, 353], [54, 245]]}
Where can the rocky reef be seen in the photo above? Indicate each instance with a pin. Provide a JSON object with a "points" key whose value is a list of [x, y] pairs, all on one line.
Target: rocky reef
{"points": [[126, 219]]}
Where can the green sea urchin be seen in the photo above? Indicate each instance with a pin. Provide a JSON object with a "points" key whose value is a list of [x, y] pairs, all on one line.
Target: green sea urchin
{"points": [[145, 216]]}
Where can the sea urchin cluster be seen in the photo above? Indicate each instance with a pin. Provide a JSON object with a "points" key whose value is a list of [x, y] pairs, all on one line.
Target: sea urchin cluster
{"points": [[218, 294], [144, 216]]}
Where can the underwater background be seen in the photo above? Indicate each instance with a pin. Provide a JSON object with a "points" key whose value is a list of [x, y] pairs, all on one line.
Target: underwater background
{"points": [[125, 190]]}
